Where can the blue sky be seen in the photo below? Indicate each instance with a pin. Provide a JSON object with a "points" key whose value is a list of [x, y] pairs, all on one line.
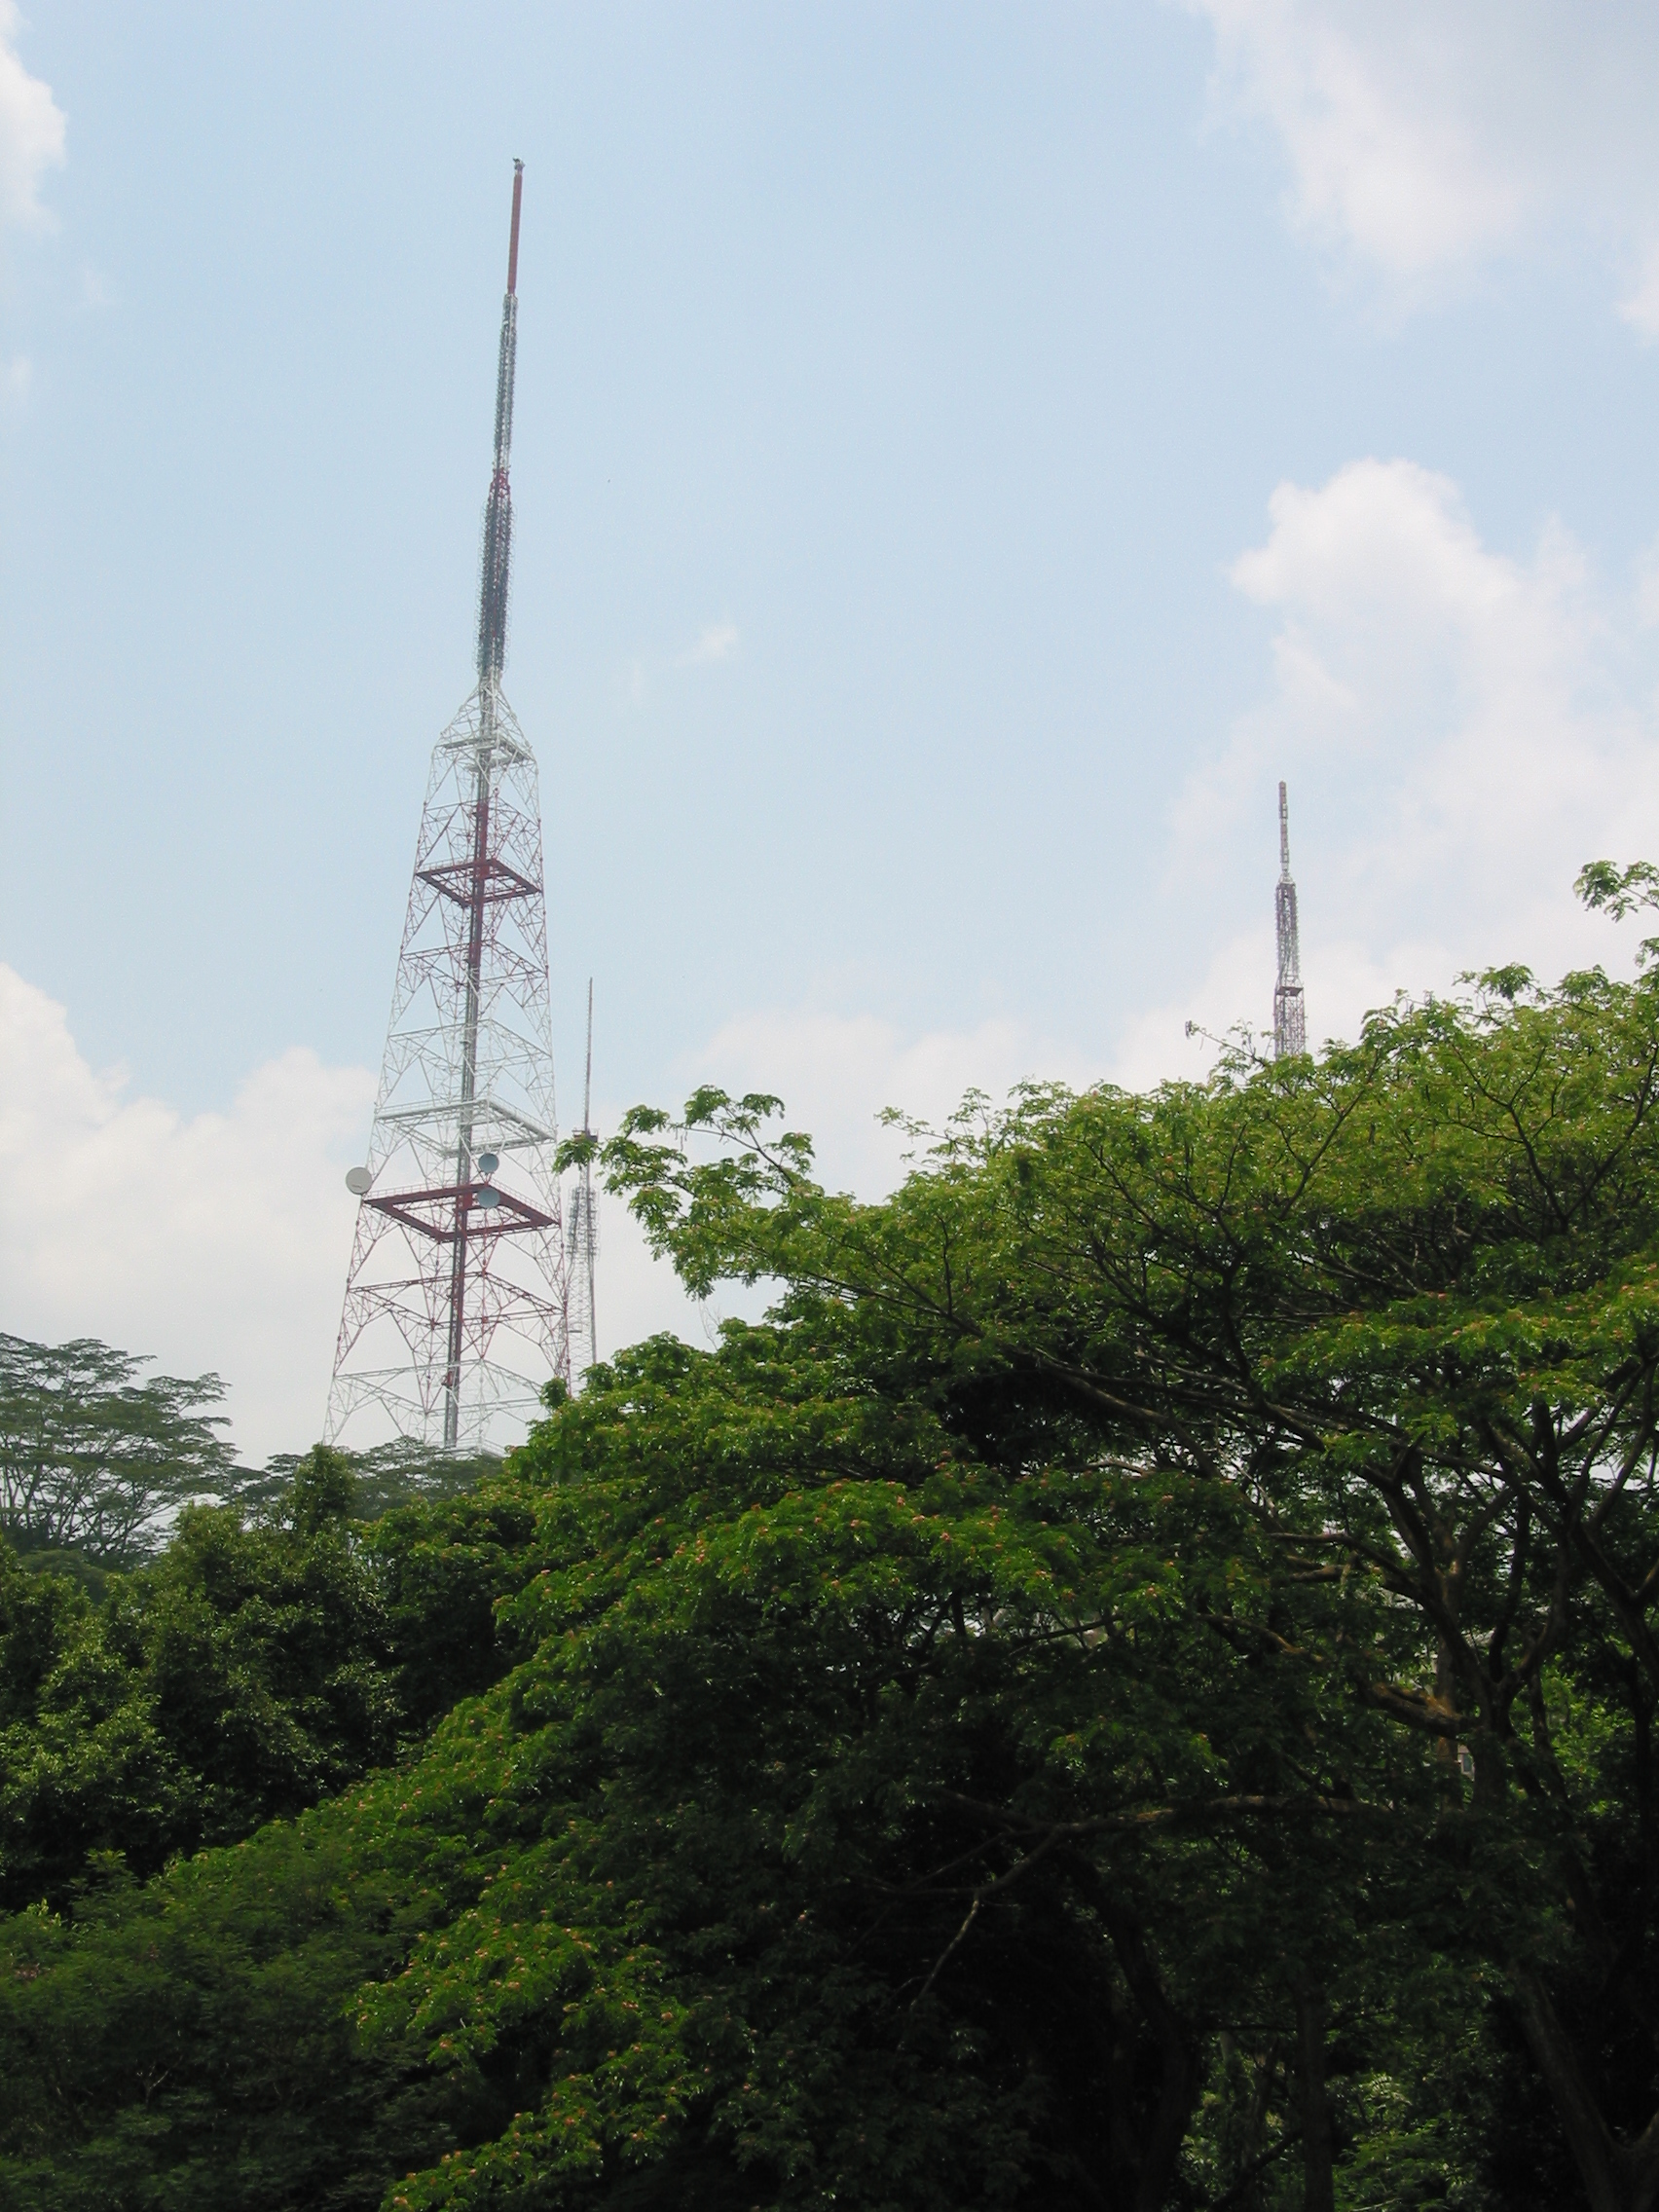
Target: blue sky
{"points": [[964, 457]]}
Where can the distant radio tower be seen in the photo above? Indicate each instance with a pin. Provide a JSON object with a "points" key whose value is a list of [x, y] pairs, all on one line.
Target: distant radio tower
{"points": [[1290, 1019], [583, 1248], [455, 1311]]}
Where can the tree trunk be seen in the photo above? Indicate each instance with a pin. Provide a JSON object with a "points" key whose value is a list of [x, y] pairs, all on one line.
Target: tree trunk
{"points": [[1617, 2177], [1121, 2145], [1151, 2165], [1178, 2072], [1318, 2140]]}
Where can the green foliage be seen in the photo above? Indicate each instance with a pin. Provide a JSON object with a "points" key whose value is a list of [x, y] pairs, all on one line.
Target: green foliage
{"points": [[687, 1873], [1133, 1687], [442, 1571], [93, 1464], [383, 1478], [252, 1669], [186, 2046]]}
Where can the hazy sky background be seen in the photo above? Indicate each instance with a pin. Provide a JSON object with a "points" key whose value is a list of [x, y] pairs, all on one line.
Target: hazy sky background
{"points": [[964, 457]]}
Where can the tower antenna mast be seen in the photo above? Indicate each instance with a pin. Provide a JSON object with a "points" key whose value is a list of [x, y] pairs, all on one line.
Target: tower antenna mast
{"points": [[459, 1239], [498, 508], [584, 1230], [1290, 1018]]}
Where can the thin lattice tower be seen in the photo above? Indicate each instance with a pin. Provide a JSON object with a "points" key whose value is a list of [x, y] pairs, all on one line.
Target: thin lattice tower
{"points": [[1290, 1017], [583, 1252], [454, 1310]]}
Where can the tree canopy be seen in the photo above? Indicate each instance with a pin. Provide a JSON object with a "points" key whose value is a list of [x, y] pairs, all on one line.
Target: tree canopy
{"points": [[93, 1463], [1133, 1687], [259, 1664]]}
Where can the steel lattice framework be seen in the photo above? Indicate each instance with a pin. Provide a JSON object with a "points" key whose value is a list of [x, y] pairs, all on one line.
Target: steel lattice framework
{"points": [[455, 1312], [1290, 1017]]}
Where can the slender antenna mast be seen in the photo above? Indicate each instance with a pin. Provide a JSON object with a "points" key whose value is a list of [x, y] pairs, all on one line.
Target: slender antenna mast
{"points": [[590, 1224], [585, 1229], [499, 511], [1290, 1017], [588, 1080]]}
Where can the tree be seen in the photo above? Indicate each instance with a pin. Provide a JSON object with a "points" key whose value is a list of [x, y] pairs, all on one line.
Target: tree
{"points": [[253, 1668], [384, 1477], [187, 2044], [1403, 1305], [95, 1464]]}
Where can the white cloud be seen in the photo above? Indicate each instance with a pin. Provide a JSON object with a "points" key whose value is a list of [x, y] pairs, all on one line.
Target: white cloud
{"points": [[1461, 731], [1639, 306], [218, 1241], [215, 1243], [31, 129], [837, 1072], [1426, 135], [718, 641]]}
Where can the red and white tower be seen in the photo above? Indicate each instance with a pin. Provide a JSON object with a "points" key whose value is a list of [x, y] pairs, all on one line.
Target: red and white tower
{"points": [[455, 1311]]}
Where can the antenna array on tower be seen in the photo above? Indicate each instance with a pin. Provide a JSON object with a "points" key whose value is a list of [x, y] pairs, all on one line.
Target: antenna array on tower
{"points": [[1290, 1019]]}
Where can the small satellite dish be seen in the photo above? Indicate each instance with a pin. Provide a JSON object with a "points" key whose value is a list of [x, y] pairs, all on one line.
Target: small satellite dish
{"points": [[357, 1181], [488, 1164], [486, 1197]]}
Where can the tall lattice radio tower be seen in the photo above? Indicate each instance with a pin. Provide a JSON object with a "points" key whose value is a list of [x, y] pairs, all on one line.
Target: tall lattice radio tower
{"points": [[1290, 1018], [455, 1311]]}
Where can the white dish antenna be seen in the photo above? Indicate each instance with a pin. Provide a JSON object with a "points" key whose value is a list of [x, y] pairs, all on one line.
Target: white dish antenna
{"points": [[357, 1181]]}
